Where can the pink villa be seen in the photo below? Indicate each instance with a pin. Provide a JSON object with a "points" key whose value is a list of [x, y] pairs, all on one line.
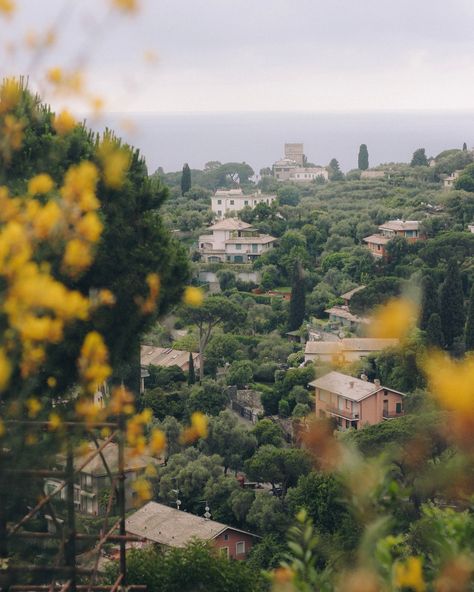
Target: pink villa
{"points": [[354, 402], [407, 229]]}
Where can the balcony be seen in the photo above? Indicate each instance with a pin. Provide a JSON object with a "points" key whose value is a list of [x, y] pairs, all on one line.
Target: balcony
{"points": [[392, 415], [344, 413]]}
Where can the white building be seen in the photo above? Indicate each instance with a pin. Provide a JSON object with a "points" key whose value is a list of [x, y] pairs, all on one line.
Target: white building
{"points": [[307, 174], [233, 241], [227, 201], [450, 180]]}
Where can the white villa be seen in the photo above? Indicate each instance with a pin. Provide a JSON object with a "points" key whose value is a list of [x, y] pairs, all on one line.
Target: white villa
{"points": [[234, 241], [227, 201], [289, 170]]}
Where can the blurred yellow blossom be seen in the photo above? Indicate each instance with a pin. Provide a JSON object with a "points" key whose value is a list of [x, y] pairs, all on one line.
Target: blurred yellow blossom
{"points": [[5, 370], [115, 162], [197, 429], [148, 305], [7, 7], [51, 382], [121, 401], [150, 470], [93, 365], [34, 406], [143, 489], [55, 421], [193, 296], [450, 381], [55, 75], [106, 298], [395, 319], [13, 131], [2, 428], [10, 93], [90, 227], [77, 256], [46, 220], [409, 574], [157, 441], [40, 184], [126, 5], [64, 122]]}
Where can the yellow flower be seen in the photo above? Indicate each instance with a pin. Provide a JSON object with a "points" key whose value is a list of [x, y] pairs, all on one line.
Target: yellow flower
{"points": [[90, 227], [5, 370], [55, 421], [148, 306], [79, 185], [394, 319], [10, 93], [451, 382], [120, 400], [143, 489], [193, 296], [46, 220], [93, 361], [97, 104], [157, 441], [2, 428], [51, 382], [126, 5], [115, 162], [150, 470], [55, 75], [40, 184], [409, 574], [34, 406], [13, 131], [7, 7], [106, 298], [197, 429], [64, 122], [77, 256]]}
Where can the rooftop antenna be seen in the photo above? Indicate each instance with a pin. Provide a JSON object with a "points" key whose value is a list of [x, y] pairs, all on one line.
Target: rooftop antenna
{"points": [[178, 501]]}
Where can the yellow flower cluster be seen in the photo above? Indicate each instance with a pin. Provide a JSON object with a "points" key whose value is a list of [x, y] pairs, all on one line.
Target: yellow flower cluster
{"points": [[7, 7], [148, 305], [197, 429], [451, 381], [40, 184], [193, 296], [129, 6], [93, 366], [10, 93], [409, 575], [395, 319], [115, 161], [64, 122], [65, 82]]}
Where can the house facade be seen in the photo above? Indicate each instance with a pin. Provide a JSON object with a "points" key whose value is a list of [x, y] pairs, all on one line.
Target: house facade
{"points": [[355, 403], [92, 483], [346, 350], [407, 229], [308, 174], [225, 202], [169, 527], [233, 241]]}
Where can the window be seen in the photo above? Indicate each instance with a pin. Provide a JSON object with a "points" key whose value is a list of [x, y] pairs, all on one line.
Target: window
{"points": [[219, 212], [86, 481], [225, 551], [246, 202], [238, 246], [226, 537], [219, 202], [398, 407], [240, 548], [254, 248], [323, 396], [231, 202]]}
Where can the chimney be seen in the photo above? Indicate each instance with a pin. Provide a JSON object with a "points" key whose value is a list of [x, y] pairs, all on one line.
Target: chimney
{"points": [[364, 377], [377, 382], [351, 384]]}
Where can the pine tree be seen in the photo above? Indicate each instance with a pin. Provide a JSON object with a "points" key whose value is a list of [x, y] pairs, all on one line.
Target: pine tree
{"points": [[298, 299], [191, 372], [429, 301], [363, 159], [470, 322], [434, 332], [185, 179], [451, 304], [419, 158], [335, 173]]}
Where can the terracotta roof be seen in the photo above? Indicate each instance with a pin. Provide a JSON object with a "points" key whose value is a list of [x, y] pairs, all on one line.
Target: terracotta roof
{"points": [[350, 344], [230, 224], [377, 239], [322, 347], [230, 192], [343, 312], [346, 386], [173, 528], [165, 356], [400, 225]]}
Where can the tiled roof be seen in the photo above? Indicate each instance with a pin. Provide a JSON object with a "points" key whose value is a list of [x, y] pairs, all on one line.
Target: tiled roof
{"points": [[173, 528], [165, 356], [230, 224], [346, 386], [377, 239], [350, 344], [263, 238], [400, 225], [348, 295]]}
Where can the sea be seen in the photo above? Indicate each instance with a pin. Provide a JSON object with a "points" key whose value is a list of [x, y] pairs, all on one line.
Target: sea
{"points": [[168, 140]]}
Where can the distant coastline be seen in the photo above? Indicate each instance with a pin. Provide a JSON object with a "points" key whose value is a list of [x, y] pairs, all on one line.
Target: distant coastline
{"points": [[170, 139]]}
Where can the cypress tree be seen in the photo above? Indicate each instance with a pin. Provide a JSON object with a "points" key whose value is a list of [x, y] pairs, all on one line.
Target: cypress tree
{"points": [[434, 332], [470, 322], [429, 301], [185, 179], [363, 158], [191, 371], [451, 304], [298, 299], [464, 147]]}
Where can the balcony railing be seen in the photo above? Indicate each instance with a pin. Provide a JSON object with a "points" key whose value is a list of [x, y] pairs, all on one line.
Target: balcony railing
{"points": [[344, 413], [392, 415]]}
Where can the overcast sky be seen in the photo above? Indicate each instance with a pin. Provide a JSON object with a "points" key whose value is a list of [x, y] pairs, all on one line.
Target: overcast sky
{"points": [[253, 55]]}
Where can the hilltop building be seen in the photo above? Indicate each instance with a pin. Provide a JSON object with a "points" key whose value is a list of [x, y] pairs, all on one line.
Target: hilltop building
{"points": [[229, 201], [291, 168], [233, 241], [166, 526], [355, 402], [407, 229], [295, 152], [346, 350]]}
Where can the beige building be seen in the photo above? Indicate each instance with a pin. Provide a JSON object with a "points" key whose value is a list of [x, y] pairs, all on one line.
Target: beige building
{"points": [[226, 202], [345, 350], [450, 180], [372, 174], [355, 402], [295, 152], [308, 174], [233, 241], [407, 229]]}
